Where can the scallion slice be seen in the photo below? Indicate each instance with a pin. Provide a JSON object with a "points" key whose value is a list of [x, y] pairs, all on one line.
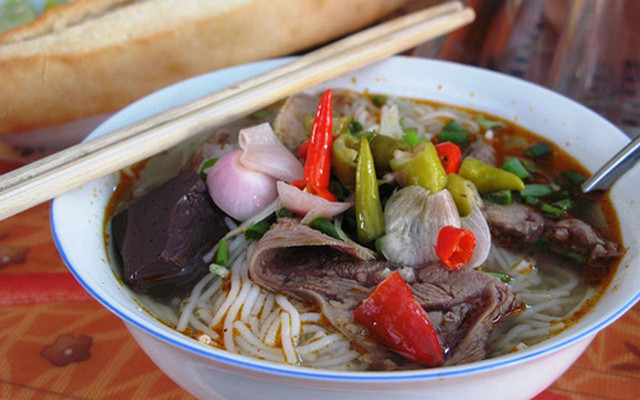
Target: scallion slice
{"points": [[502, 197], [325, 226], [574, 177], [540, 149], [536, 190], [222, 254], [455, 133], [257, 230], [551, 211], [513, 165], [487, 124]]}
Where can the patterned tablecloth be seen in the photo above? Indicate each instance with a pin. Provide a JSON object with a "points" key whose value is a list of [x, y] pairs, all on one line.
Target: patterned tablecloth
{"points": [[56, 342]]}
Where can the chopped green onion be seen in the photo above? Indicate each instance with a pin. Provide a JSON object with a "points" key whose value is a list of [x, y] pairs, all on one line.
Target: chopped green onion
{"points": [[205, 166], [501, 197], [284, 213], [378, 100], [529, 166], [538, 150], [262, 114], [551, 211], [574, 177], [257, 230], [222, 254], [402, 122], [563, 204], [325, 226], [455, 133], [378, 244], [411, 136], [338, 190], [219, 270], [536, 190], [506, 278], [355, 127], [487, 124], [577, 257], [531, 200], [513, 165]]}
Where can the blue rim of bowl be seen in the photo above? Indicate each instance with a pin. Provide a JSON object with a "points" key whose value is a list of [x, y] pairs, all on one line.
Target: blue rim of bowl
{"points": [[309, 373]]}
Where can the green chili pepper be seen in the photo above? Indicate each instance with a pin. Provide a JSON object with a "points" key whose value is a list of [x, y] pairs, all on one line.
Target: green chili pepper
{"points": [[383, 147], [513, 165], [344, 153], [462, 192], [424, 169], [455, 133], [369, 216], [488, 178]]}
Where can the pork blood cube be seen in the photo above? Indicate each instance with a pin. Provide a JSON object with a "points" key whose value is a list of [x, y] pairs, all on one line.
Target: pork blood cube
{"points": [[163, 236]]}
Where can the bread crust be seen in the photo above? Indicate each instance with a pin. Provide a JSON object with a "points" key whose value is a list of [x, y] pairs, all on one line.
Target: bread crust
{"points": [[49, 86]]}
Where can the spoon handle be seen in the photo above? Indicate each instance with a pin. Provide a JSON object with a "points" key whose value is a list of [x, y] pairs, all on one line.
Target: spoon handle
{"points": [[614, 168]]}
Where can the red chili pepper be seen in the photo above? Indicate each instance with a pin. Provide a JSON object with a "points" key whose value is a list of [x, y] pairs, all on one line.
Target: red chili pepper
{"points": [[455, 246], [395, 317], [304, 149], [317, 168], [450, 156]]}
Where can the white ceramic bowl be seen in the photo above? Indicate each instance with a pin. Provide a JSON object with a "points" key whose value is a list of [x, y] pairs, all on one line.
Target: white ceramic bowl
{"points": [[77, 219]]}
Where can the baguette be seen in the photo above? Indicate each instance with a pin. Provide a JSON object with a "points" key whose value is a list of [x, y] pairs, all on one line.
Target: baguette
{"points": [[91, 57]]}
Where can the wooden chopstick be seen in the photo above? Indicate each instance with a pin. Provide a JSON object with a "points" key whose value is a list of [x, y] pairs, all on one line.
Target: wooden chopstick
{"points": [[82, 163]]}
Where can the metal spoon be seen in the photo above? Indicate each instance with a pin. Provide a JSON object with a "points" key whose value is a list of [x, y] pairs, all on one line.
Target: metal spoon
{"points": [[614, 168]]}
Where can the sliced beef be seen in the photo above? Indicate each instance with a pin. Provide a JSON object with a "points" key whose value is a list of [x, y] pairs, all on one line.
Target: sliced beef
{"points": [[163, 236], [465, 305], [513, 225], [518, 225], [290, 123], [575, 235], [303, 262], [482, 151]]}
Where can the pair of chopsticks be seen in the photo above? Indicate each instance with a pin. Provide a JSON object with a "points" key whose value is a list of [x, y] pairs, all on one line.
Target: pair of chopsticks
{"points": [[68, 169]]}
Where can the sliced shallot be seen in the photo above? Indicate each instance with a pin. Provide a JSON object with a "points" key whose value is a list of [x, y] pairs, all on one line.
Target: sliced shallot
{"points": [[265, 153], [302, 202]]}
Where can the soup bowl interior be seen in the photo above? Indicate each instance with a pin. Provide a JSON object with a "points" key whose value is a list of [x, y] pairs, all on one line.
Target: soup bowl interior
{"points": [[78, 218]]}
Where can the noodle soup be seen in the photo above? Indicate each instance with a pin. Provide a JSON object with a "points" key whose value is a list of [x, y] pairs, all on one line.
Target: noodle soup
{"points": [[543, 276]]}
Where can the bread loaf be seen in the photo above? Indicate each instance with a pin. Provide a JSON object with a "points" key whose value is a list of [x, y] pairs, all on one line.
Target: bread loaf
{"points": [[89, 57]]}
